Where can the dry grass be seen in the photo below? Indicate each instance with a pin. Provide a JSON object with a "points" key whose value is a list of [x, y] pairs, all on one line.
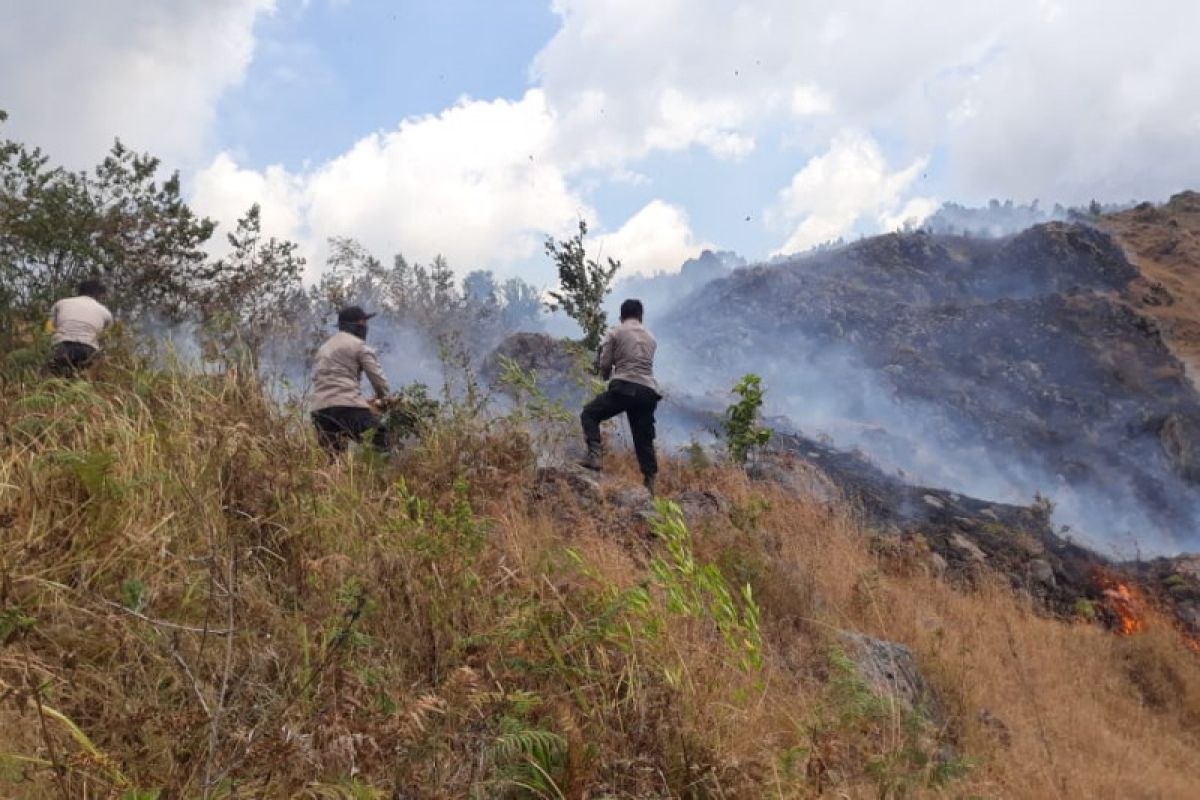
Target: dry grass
{"points": [[1163, 242], [193, 601]]}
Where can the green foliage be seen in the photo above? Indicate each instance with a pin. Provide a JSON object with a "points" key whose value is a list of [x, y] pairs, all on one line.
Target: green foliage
{"points": [[531, 401], [14, 623], [410, 410], [853, 699], [696, 456], [134, 594], [141, 794], [743, 433], [118, 221], [93, 469], [1085, 608], [252, 292], [583, 283], [528, 758], [913, 759], [700, 590]]}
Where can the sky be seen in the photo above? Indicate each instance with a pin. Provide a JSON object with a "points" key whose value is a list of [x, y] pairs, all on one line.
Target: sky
{"points": [[476, 128]]}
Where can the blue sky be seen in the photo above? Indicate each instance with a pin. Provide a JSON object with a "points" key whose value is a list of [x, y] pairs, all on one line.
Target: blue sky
{"points": [[475, 129], [325, 73]]}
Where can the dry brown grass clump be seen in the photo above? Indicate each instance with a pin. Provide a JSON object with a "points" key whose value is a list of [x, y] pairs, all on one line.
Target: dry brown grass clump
{"points": [[193, 602]]}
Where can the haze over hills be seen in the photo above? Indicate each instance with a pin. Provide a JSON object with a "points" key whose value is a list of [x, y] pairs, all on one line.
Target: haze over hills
{"points": [[1002, 367]]}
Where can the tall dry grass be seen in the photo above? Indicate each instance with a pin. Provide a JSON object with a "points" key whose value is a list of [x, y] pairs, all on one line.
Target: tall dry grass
{"points": [[194, 602]]}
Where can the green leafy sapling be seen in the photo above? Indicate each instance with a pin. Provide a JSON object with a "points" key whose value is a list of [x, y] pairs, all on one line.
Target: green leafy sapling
{"points": [[744, 432], [583, 283]]}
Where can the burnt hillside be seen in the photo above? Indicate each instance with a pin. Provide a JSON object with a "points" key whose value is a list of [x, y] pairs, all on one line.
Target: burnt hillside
{"points": [[1001, 366]]}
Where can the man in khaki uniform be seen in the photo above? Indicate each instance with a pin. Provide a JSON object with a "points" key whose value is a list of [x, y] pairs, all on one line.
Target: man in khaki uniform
{"points": [[627, 363], [76, 323], [340, 412]]}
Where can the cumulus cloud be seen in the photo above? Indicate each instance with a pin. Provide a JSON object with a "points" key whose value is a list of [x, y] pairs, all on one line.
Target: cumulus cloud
{"points": [[472, 183], [658, 238], [78, 74], [224, 191], [1060, 100], [837, 189], [1063, 100]]}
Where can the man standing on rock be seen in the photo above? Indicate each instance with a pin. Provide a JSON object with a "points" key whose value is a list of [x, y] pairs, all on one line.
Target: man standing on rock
{"points": [[627, 363], [340, 412], [76, 323]]}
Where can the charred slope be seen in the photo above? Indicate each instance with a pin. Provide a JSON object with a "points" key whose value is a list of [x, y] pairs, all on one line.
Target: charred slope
{"points": [[967, 536], [1020, 348]]}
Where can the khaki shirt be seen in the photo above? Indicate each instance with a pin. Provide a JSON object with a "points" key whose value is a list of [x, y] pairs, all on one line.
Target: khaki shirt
{"points": [[628, 354], [341, 362], [79, 319]]}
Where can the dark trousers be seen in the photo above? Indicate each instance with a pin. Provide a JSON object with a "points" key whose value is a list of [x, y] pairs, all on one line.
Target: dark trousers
{"points": [[337, 426], [635, 401], [70, 357]]}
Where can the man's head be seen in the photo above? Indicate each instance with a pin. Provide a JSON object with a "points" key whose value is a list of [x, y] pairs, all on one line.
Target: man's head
{"points": [[352, 319], [92, 288], [631, 309]]}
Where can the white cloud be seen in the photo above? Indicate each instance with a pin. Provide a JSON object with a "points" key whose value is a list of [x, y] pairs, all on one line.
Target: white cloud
{"points": [[840, 187], [225, 191], [473, 183], [1059, 99], [809, 99], [78, 74], [658, 238]]}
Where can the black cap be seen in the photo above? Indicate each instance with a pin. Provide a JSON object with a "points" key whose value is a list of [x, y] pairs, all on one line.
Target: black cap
{"points": [[351, 314]]}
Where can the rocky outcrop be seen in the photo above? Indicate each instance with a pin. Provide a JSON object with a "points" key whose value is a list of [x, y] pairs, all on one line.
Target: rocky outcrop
{"points": [[888, 670], [797, 476]]}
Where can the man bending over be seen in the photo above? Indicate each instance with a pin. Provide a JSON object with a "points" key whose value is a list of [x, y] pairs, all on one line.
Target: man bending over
{"points": [[340, 413], [627, 363], [77, 323]]}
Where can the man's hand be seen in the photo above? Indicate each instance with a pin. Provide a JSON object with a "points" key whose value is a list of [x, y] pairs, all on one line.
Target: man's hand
{"points": [[382, 403]]}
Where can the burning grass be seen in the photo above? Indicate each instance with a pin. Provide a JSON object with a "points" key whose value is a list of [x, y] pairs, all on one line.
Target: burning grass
{"points": [[192, 601]]}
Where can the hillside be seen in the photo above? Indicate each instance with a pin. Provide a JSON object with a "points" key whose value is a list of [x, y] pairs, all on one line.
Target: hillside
{"points": [[1163, 243], [998, 367], [195, 604]]}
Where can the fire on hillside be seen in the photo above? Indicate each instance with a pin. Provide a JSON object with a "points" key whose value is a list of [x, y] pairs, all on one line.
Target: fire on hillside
{"points": [[1125, 602]]}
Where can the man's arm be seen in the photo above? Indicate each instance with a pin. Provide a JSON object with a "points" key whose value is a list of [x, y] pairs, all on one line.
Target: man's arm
{"points": [[370, 365], [606, 357], [52, 320]]}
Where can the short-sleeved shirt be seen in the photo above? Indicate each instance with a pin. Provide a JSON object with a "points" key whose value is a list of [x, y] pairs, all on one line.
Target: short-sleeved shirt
{"points": [[79, 319], [341, 362]]}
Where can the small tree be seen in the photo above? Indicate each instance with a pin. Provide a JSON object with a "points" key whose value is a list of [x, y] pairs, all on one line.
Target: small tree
{"points": [[583, 283], [743, 433], [254, 289]]}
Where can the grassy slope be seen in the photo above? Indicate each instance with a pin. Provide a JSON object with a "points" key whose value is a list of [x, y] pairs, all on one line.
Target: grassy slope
{"points": [[191, 600], [1163, 242]]}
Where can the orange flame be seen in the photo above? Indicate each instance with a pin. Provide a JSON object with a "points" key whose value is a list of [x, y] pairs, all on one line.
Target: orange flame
{"points": [[1126, 603]]}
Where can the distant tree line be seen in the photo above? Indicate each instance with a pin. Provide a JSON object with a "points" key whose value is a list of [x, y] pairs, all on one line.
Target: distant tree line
{"points": [[123, 223]]}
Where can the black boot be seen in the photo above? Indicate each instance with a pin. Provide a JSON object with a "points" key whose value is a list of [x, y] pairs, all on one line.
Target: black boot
{"points": [[594, 458], [648, 482]]}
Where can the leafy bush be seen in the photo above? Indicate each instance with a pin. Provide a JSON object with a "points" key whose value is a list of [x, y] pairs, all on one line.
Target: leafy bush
{"points": [[743, 433], [583, 284]]}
